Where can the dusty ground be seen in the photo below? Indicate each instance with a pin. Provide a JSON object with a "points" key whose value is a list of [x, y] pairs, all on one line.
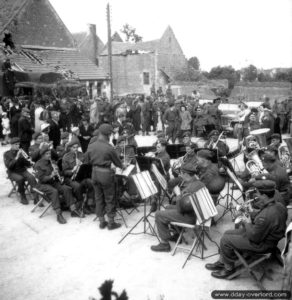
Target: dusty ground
{"points": [[40, 259]]}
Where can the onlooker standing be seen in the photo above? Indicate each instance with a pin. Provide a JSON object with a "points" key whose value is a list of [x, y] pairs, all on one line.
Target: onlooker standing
{"points": [[186, 120], [6, 128], [25, 130]]}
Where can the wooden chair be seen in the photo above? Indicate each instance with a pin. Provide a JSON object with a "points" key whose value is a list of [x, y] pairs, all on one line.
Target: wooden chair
{"points": [[205, 210], [42, 198]]}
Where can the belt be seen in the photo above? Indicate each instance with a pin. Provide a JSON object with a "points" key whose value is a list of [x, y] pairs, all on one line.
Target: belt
{"points": [[102, 168]]}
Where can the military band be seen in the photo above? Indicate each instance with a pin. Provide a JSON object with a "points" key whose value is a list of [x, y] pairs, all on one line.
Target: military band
{"points": [[102, 189]]}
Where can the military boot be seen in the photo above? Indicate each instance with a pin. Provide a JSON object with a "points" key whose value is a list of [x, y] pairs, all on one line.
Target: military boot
{"points": [[23, 199]]}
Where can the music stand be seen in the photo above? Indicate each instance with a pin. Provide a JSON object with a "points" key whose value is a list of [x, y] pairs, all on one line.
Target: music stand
{"points": [[162, 183], [145, 163], [205, 210], [147, 190], [176, 151], [229, 207]]}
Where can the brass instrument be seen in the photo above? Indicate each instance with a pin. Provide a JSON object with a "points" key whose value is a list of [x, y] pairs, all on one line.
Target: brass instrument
{"points": [[254, 164], [25, 156], [56, 170], [78, 165]]}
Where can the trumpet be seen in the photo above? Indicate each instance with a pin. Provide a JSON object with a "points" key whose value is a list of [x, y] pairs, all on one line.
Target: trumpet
{"points": [[58, 177], [25, 156]]}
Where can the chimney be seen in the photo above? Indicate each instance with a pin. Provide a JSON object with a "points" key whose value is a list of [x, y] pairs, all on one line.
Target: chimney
{"points": [[93, 44]]}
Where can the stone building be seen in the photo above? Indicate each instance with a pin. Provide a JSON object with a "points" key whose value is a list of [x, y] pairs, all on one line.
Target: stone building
{"points": [[44, 44], [137, 68]]}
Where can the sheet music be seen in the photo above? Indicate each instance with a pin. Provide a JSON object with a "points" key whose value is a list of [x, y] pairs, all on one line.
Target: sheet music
{"points": [[126, 172]]}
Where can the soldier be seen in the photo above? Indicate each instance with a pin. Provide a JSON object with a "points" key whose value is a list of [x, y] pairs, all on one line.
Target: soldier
{"points": [[162, 154], [55, 130], [213, 143], [49, 182], [175, 213], [34, 150], [101, 155], [71, 162], [171, 118], [25, 130], [17, 166], [267, 227]]}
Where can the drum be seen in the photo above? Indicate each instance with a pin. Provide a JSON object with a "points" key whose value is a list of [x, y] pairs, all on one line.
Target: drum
{"points": [[260, 134]]}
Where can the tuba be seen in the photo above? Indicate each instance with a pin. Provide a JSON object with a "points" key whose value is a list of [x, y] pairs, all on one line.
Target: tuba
{"points": [[254, 164]]}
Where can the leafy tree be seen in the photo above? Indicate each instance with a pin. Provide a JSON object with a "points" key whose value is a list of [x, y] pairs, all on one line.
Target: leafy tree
{"points": [[264, 77], [194, 63], [250, 73], [284, 76], [226, 72], [130, 33]]}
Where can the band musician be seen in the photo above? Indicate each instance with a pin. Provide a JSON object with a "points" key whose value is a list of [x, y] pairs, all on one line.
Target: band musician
{"points": [[176, 213], [261, 235], [50, 182], [101, 155], [17, 166], [71, 164], [215, 143]]}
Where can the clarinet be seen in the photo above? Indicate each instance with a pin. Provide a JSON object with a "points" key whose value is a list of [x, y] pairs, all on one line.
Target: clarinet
{"points": [[78, 164], [56, 170]]}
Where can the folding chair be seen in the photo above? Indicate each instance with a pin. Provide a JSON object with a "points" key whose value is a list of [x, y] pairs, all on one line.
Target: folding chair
{"points": [[14, 188], [42, 198], [247, 264], [204, 209]]}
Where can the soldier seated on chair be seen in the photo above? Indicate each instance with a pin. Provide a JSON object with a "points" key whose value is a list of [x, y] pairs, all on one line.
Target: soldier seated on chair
{"points": [[261, 235], [49, 183], [177, 213], [17, 167], [71, 162]]}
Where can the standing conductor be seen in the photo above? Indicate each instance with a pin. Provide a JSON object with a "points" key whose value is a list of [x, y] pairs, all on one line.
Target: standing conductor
{"points": [[101, 155]]}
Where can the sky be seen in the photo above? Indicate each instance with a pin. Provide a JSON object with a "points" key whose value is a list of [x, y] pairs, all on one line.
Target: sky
{"points": [[218, 32]]}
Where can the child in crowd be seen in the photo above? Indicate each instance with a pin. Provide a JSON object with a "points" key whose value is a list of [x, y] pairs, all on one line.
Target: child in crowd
{"points": [[6, 128]]}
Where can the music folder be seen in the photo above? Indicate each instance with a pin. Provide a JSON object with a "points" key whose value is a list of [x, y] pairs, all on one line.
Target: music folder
{"points": [[146, 162]]}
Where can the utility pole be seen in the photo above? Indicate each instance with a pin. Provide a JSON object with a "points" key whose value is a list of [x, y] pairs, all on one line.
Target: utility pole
{"points": [[109, 46]]}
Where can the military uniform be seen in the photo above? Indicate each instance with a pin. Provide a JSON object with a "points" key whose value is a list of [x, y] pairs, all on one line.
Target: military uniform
{"points": [[261, 235], [171, 118], [164, 157], [51, 187], [17, 170], [101, 155], [68, 163]]}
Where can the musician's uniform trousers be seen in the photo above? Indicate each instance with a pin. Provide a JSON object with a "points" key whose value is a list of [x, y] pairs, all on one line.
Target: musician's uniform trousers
{"points": [[173, 214], [172, 119], [100, 155], [262, 235], [16, 170], [51, 187], [68, 163]]}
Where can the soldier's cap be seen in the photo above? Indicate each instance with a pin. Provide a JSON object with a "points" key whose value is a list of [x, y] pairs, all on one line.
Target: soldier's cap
{"points": [[121, 139], [64, 135], [190, 144], [95, 132], [265, 185], [25, 110], [213, 132], [14, 140], [268, 157], [36, 135], [161, 135], [188, 168], [276, 136], [207, 154], [44, 149], [187, 134], [105, 129], [162, 142], [45, 126], [73, 142]]}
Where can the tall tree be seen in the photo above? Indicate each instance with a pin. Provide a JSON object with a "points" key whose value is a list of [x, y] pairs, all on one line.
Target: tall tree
{"points": [[250, 73], [130, 33], [194, 63], [226, 72]]}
